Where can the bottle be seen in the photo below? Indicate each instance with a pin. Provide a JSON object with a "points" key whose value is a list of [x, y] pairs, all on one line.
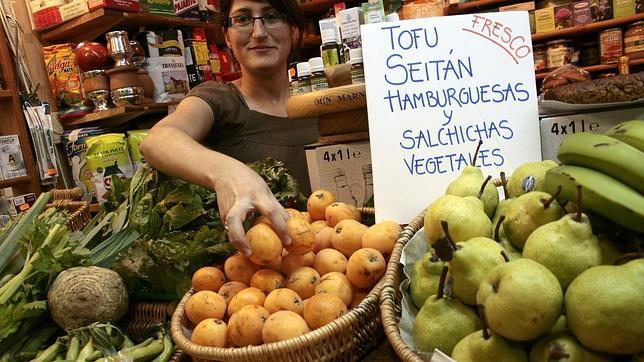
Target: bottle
{"points": [[342, 188], [357, 68], [318, 77], [329, 50], [303, 78], [367, 175], [292, 78]]}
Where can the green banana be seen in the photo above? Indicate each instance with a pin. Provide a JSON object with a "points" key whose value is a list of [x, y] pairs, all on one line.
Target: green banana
{"points": [[600, 193], [631, 132], [604, 154]]}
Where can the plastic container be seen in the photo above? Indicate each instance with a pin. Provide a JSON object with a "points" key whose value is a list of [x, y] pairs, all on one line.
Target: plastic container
{"points": [[319, 80], [357, 68], [330, 50], [303, 78]]}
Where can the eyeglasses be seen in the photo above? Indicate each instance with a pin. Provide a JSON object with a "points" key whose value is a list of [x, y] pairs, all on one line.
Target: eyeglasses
{"points": [[245, 22]]}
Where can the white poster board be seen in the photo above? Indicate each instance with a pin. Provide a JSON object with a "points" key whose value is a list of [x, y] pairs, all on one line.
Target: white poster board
{"points": [[435, 86]]}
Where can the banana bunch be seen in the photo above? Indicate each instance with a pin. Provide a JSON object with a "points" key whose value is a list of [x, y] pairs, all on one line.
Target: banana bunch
{"points": [[610, 169]]}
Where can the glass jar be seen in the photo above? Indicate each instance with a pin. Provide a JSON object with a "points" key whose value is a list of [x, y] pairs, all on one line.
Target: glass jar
{"points": [[558, 53], [610, 45], [634, 40], [540, 58]]}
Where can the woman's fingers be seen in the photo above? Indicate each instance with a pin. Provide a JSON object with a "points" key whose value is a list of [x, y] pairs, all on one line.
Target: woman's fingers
{"points": [[278, 217], [235, 228]]}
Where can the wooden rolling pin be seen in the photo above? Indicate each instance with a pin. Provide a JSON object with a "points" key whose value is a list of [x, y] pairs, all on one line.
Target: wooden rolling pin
{"points": [[328, 101]]}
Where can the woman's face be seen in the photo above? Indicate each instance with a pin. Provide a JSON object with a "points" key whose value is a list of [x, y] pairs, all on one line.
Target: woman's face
{"points": [[262, 45]]}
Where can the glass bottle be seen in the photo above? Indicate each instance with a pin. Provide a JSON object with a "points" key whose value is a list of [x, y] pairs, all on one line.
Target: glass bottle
{"points": [[342, 188], [357, 68], [367, 175], [303, 78], [319, 80], [330, 50]]}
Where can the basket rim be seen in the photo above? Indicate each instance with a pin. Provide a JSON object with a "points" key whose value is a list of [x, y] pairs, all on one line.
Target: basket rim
{"points": [[388, 294], [313, 337]]}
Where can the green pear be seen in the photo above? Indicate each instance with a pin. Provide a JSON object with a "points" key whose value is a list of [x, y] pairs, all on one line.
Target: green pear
{"points": [[560, 325], [476, 348], [605, 308], [471, 262], [469, 183], [511, 252], [465, 216], [529, 177], [424, 278], [442, 322], [522, 299], [566, 247], [528, 212], [563, 346]]}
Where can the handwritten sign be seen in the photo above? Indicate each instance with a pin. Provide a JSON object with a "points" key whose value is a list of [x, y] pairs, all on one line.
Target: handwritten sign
{"points": [[435, 87]]}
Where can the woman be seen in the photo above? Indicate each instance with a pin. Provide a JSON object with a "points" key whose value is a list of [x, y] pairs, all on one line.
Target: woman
{"points": [[240, 122]]}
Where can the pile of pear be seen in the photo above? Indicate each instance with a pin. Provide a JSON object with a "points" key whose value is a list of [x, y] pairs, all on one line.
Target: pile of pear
{"points": [[526, 277]]}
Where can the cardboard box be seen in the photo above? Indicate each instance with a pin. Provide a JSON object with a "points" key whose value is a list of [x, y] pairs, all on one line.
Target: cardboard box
{"points": [[11, 161], [350, 21], [554, 129], [185, 6], [344, 169], [623, 8], [161, 7], [73, 10], [581, 13], [544, 20], [133, 6], [563, 16], [526, 6], [601, 10]]}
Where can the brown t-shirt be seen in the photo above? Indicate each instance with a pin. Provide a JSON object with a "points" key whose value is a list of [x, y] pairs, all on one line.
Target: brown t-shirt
{"points": [[249, 136]]}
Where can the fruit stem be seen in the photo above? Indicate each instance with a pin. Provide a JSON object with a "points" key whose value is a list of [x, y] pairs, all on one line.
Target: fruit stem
{"points": [[552, 198], [481, 309], [579, 204], [449, 238], [476, 153], [504, 185], [497, 229], [487, 179], [505, 256], [628, 257], [441, 282]]}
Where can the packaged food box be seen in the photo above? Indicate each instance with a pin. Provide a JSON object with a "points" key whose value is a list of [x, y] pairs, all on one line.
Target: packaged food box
{"points": [[544, 20], [563, 16], [524, 6], [581, 13], [166, 64], [15, 205], [11, 161], [133, 6], [45, 13], [73, 9], [601, 10], [623, 8]]}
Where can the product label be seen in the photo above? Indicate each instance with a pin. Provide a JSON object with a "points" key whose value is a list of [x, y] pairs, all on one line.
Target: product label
{"points": [[623, 8], [319, 83], [557, 57], [107, 157], [633, 44], [330, 57], [357, 76], [544, 20]]}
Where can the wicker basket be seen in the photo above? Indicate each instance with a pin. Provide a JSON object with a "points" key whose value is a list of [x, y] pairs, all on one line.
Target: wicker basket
{"points": [[348, 338], [79, 212], [390, 298]]}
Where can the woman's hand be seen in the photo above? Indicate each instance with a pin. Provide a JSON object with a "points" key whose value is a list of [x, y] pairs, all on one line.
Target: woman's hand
{"points": [[241, 193]]}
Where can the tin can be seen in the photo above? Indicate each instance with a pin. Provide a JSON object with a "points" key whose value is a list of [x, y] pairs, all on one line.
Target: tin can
{"points": [[558, 53], [610, 45], [540, 58], [634, 40]]}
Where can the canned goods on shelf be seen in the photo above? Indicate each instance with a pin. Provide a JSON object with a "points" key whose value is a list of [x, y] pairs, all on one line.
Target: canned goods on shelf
{"points": [[610, 45]]}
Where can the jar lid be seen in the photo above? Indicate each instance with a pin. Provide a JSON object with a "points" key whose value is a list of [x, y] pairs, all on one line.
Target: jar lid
{"points": [[328, 36], [637, 23], [316, 64], [558, 41], [303, 69], [355, 55], [93, 73]]}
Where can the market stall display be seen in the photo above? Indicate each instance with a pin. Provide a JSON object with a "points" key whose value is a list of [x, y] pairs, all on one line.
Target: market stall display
{"points": [[564, 226]]}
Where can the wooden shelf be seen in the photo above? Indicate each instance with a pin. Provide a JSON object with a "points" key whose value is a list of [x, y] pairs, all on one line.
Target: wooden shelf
{"points": [[312, 40], [6, 94], [116, 116], [322, 6], [97, 22], [15, 181], [596, 68], [588, 28], [474, 6]]}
